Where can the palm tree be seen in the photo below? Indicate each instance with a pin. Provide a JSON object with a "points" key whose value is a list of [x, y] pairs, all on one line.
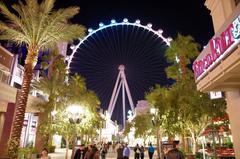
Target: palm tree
{"points": [[182, 50], [39, 27]]}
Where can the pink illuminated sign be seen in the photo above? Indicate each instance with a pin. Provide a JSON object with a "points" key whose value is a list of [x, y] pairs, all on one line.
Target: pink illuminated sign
{"points": [[220, 46]]}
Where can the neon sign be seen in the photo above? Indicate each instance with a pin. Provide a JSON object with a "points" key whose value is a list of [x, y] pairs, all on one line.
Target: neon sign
{"points": [[220, 46]]}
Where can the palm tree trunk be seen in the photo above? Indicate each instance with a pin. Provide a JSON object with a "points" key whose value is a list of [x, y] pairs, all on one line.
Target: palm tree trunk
{"points": [[160, 145], [194, 143], [67, 147], [184, 143], [21, 103], [74, 141], [183, 66]]}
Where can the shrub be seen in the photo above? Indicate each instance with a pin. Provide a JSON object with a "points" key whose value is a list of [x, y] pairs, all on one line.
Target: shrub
{"points": [[51, 149]]}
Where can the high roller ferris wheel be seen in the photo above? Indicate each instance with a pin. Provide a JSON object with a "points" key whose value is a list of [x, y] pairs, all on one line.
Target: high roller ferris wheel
{"points": [[121, 76]]}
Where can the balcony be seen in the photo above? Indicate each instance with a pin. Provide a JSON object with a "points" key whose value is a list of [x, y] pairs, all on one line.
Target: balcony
{"points": [[8, 93]]}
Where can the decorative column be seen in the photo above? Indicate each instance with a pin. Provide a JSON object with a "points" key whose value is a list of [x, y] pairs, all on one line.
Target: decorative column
{"points": [[233, 108], [39, 140], [6, 129], [220, 11]]}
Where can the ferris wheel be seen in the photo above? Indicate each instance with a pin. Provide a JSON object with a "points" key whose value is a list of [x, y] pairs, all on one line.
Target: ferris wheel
{"points": [[114, 45]]}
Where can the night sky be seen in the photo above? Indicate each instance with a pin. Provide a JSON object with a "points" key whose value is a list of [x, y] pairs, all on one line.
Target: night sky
{"points": [[98, 59]]}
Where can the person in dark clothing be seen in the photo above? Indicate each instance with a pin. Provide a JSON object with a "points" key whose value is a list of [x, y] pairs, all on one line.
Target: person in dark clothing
{"points": [[120, 152], [137, 152], [151, 151], [103, 151], [94, 154], [142, 152], [175, 153], [79, 154]]}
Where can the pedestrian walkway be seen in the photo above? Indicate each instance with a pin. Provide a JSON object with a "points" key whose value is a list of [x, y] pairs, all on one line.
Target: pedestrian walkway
{"points": [[60, 154]]}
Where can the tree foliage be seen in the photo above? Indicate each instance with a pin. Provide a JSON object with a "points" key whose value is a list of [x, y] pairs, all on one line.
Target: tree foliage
{"points": [[60, 96], [191, 110], [181, 108], [143, 126], [38, 26], [183, 49]]}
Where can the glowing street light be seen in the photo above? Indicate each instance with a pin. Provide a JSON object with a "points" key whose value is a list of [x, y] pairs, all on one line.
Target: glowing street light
{"points": [[153, 111], [75, 113]]}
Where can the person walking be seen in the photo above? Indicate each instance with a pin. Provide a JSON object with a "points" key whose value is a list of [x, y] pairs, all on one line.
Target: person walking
{"points": [[88, 151], [142, 152], [126, 152], [137, 152], [94, 154], [103, 151], [120, 151], [150, 151], [44, 154], [175, 153], [80, 152]]}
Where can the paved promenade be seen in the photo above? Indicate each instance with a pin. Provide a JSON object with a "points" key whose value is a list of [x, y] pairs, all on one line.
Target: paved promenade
{"points": [[60, 154]]}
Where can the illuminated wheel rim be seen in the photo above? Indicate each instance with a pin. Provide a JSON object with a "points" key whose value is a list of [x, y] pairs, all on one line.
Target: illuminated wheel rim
{"points": [[137, 23], [97, 69]]}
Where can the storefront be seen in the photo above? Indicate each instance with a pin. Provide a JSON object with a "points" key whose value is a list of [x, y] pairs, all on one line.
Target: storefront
{"points": [[7, 105], [217, 68]]}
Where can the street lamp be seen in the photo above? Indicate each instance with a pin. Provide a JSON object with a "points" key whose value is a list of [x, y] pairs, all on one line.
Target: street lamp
{"points": [[154, 112], [75, 113]]}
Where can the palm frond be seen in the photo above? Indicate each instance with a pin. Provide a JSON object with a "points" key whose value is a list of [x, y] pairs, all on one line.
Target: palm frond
{"points": [[39, 25], [47, 5], [32, 4], [10, 16], [62, 15], [21, 10], [9, 33], [62, 33], [56, 22]]}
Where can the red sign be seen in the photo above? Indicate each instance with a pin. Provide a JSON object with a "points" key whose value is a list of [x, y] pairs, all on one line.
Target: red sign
{"points": [[219, 47]]}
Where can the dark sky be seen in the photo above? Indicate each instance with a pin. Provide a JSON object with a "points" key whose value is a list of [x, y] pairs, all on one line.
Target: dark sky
{"points": [[98, 63], [188, 17], [173, 16]]}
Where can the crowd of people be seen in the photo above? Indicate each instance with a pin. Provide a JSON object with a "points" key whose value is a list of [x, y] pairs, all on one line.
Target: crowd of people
{"points": [[99, 151], [123, 151]]}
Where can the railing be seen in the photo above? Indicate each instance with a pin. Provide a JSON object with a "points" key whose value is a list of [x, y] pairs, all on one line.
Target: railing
{"points": [[19, 71], [4, 77]]}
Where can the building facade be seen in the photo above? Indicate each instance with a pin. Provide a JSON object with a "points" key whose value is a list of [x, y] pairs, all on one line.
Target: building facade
{"points": [[11, 76], [217, 68]]}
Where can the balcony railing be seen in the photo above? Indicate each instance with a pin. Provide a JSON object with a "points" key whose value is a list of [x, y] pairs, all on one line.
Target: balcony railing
{"points": [[4, 78]]}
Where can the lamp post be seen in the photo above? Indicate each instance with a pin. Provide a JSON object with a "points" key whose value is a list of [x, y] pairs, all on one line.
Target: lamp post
{"points": [[75, 115], [153, 111]]}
